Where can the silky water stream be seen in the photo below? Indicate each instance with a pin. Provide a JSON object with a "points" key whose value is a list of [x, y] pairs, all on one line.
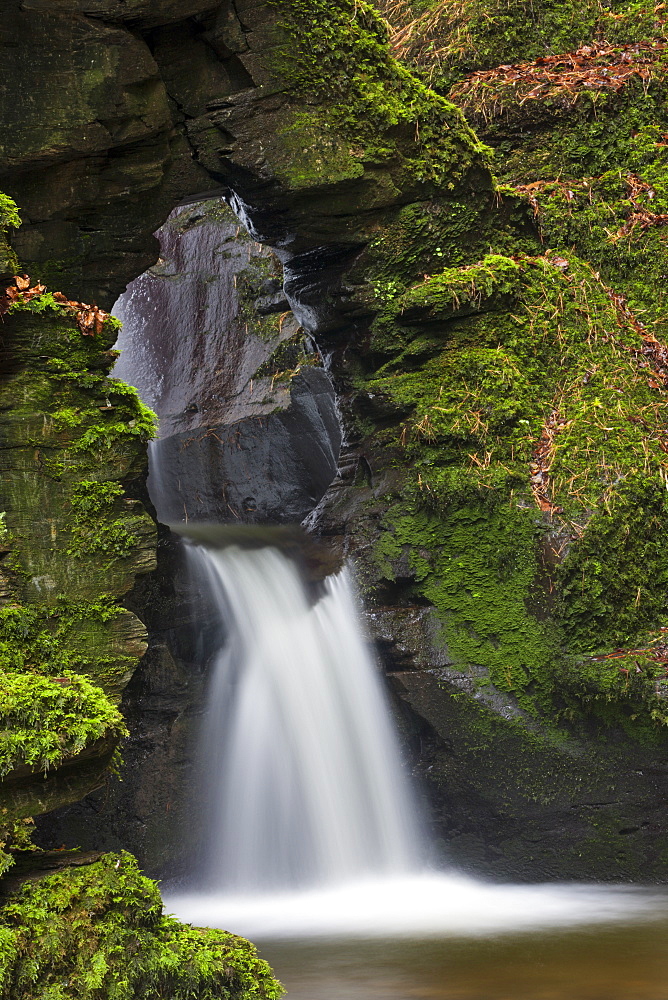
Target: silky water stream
{"points": [[313, 845]]}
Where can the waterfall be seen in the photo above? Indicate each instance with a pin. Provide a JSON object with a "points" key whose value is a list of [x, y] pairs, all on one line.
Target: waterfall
{"points": [[310, 824], [303, 780]]}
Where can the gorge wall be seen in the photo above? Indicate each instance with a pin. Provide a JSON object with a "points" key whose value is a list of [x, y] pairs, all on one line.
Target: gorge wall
{"points": [[502, 491]]}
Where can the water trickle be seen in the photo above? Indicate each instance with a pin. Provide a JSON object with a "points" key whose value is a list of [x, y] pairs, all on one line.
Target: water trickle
{"points": [[303, 776]]}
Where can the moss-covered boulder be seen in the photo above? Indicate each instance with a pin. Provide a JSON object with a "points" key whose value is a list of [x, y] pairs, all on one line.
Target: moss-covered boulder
{"points": [[98, 930]]}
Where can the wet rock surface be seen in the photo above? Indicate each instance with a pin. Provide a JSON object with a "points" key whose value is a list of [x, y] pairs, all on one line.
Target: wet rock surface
{"points": [[249, 429], [505, 796]]}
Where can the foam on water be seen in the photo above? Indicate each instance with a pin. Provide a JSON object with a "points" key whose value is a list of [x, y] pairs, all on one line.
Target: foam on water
{"points": [[416, 906]]}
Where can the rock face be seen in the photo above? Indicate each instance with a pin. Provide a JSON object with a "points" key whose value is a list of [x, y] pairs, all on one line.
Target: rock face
{"points": [[248, 424], [74, 538], [184, 109], [505, 467], [249, 433]]}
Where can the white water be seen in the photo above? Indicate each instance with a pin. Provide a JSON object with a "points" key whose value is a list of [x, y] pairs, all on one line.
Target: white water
{"points": [[312, 827], [304, 784]]}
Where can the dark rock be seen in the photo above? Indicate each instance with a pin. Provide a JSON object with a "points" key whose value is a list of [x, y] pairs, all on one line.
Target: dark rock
{"points": [[142, 13], [515, 802], [274, 303], [271, 469]]}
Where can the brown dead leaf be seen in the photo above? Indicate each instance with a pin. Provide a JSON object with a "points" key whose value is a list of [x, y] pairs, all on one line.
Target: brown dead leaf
{"points": [[90, 319]]}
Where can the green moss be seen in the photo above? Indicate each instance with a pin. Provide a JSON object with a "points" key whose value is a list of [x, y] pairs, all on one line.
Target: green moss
{"points": [[446, 40], [454, 289], [477, 566], [98, 931], [71, 425], [9, 213], [314, 154], [57, 638], [474, 366], [598, 219], [44, 721], [71, 531], [564, 136], [543, 338], [9, 219], [626, 691], [93, 529], [39, 304], [339, 56], [131, 418], [614, 582]]}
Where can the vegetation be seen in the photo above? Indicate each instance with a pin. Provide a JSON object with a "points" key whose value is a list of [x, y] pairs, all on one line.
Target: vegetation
{"points": [[515, 390], [9, 219], [366, 104], [98, 931], [67, 528], [45, 720], [447, 39]]}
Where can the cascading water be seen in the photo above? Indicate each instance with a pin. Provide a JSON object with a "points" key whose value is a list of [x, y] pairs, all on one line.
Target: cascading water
{"points": [[310, 824], [304, 781]]}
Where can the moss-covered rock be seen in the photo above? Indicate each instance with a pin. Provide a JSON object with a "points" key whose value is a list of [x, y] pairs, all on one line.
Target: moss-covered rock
{"points": [[98, 931], [74, 537], [513, 390]]}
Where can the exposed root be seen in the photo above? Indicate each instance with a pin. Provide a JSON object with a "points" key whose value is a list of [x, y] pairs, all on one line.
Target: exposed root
{"points": [[656, 650]]}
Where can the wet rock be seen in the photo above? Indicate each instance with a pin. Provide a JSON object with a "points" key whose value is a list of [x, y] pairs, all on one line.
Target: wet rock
{"points": [[518, 802], [249, 429], [271, 469]]}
